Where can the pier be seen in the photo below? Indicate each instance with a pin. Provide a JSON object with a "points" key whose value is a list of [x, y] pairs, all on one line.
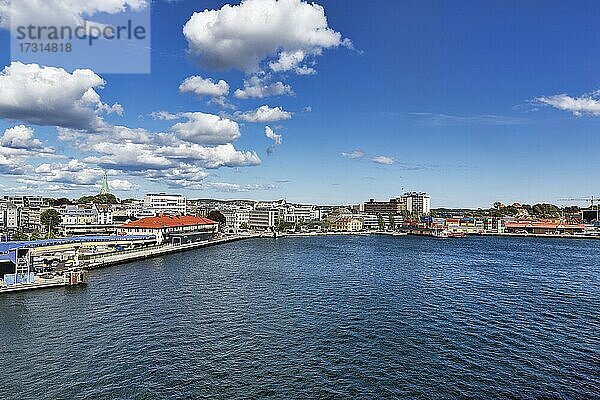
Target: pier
{"points": [[24, 256]]}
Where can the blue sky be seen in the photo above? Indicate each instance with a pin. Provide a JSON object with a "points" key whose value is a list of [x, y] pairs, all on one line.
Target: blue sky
{"points": [[458, 99]]}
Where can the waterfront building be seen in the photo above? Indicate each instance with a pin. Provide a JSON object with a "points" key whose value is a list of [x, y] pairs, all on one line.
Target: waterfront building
{"points": [[172, 229], [371, 222], [163, 203], [347, 224], [543, 227], [373, 207], [87, 219], [236, 218], [414, 202], [300, 213], [263, 218]]}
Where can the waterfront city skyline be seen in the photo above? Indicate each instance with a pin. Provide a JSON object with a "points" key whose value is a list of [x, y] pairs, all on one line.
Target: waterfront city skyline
{"points": [[472, 103]]}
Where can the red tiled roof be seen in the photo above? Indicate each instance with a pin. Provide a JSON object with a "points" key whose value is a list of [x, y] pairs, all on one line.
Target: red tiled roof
{"points": [[167, 221]]}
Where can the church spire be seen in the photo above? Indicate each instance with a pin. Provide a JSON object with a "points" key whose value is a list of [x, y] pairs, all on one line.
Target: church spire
{"points": [[105, 189]]}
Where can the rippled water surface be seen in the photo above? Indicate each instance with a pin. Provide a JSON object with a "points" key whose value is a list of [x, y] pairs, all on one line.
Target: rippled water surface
{"points": [[322, 317]]}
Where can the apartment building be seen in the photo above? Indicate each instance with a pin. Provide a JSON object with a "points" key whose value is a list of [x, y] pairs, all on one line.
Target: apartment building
{"points": [[263, 218], [163, 203]]}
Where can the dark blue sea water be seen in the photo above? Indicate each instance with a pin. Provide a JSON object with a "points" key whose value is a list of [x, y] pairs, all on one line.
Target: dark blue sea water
{"points": [[324, 317]]}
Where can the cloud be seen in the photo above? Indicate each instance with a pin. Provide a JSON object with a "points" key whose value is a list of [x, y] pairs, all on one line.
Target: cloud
{"points": [[60, 12], [122, 185], [276, 138], [264, 114], [272, 135], [17, 147], [307, 109], [127, 156], [74, 172], [164, 115], [52, 96], [243, 36], [258, 88], [291, 61], [446, 119], [204, 87], [383, 160], [354, 154], [224, 155], [201, 128], [586, 104], [20, 137]]}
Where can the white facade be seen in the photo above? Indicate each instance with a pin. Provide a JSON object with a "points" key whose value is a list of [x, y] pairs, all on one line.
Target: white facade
{"points": [[235, 218], [416, 202], [162, 203], [263, 219], [105, 215]]}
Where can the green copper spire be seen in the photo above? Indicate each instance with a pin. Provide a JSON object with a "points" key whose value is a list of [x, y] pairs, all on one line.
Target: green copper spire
{"points": [[105, 189]]}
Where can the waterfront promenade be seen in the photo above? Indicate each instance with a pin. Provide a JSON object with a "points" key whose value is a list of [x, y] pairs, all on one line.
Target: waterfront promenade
{"points": [[105, 260]]}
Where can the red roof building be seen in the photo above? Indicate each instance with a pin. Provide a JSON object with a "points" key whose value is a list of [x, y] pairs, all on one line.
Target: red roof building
{"points": [[173, 229]]}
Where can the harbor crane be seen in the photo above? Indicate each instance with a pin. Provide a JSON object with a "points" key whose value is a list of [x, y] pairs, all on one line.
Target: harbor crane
{"points": [[591, 199]]}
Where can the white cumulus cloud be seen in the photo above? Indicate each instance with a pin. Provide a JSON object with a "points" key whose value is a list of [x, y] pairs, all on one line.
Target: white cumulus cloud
{"points": [[60, 12], [258, 88], [243, 36], [20, 137], [122, 185], [204, 87], [264, 114], [201, 128], [586, 104], [52, 96]]}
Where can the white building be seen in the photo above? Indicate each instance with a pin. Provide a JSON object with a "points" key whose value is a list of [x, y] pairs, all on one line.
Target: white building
{"points": [[300, 213], [162, 203], [9, 216], [416, 202], [263, 219], [87, 219], [173, 229], [105, 214], [235, 218]]}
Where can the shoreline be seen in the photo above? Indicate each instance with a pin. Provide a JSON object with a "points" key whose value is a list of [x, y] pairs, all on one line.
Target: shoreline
{"points": [[111, 259], [520, 235]]}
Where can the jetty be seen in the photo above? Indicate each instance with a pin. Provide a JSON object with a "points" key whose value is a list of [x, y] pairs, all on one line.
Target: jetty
{"points": [[24, 265]]}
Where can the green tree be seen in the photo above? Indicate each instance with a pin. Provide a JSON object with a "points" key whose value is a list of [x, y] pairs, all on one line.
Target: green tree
{"points": [[51, 220], [19, 235], [392, 221], [99, 199], [217, 216], [572, 210], [380, 222], [243, 226], [63, 201], [284, 226], [545, 210], [35, 235]]}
